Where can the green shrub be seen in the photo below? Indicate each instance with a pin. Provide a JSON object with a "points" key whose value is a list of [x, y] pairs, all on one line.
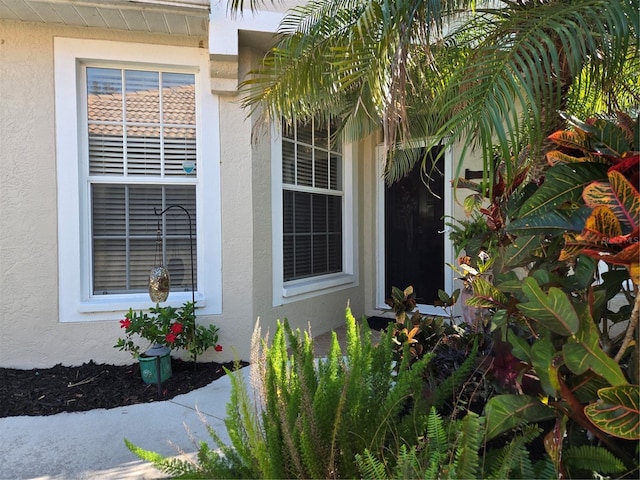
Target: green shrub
{"points": [[311, 417]]}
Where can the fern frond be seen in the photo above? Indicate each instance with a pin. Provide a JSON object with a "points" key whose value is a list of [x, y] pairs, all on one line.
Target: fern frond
{"points": [[370, 467], [544, 469], [470, 437], [436, 433], [408, 465], [592, 458], [173, 466], [512, 454]]}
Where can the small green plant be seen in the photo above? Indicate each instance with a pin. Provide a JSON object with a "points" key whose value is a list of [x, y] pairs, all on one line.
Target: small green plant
{"points": [[170, 327], [403, 303]]}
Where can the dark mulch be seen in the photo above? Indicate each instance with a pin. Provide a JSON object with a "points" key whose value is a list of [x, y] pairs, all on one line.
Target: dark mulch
{"points": [[47, 391]]}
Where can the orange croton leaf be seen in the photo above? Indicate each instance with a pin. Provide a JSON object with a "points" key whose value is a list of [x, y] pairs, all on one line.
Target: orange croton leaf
{"points": [[603, 222], [574, 244], [617, 194], [569, 139], [556, 157]]}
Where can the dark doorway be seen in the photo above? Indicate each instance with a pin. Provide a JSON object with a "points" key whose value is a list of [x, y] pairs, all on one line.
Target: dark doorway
{"points": [[414, 244]]}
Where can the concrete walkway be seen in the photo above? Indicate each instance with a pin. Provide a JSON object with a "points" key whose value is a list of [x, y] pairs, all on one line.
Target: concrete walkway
{"points": [[90, 445]]}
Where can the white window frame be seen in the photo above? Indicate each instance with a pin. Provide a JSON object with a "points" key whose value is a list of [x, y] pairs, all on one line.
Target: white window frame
{"points": [[301, 289], [76, 301]]}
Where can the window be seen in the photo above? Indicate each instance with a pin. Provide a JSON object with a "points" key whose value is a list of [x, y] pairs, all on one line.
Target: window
{"points": [[312, 202], [313, 213], [141, 127], [134, 148]]}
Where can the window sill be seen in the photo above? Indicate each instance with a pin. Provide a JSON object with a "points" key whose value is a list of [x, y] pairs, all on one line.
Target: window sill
{"points": [[117, 303], [318, 285]]}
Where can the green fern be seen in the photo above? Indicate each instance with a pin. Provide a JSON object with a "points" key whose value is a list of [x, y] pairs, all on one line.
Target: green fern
{"points": [[510, 460], [173, 466], [408, 465], [590, 458], [370, 466], [435, 451], [312, 417], [470, 437]]}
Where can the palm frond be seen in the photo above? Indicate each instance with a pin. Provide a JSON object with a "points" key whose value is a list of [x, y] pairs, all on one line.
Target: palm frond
{"points": [[498, 75]]}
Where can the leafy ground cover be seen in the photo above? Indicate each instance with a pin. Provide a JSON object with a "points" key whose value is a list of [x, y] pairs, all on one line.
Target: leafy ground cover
{"points": [[47, 391]]}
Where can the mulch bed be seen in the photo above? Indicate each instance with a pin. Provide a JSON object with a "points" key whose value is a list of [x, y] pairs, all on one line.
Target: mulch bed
{"points": [[47, 391]]}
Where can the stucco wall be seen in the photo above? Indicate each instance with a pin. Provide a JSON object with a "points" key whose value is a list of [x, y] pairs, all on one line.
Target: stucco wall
{"points": [[31, 334]]}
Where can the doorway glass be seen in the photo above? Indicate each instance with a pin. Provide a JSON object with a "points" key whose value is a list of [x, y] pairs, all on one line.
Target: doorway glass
{"points": [[414, 225]]}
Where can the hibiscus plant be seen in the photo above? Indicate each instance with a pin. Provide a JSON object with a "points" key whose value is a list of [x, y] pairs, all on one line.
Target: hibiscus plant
{"points": [[170, 327]]}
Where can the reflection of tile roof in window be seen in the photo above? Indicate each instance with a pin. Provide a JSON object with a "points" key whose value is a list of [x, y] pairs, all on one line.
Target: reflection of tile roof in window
{"points": [[143, 107]]}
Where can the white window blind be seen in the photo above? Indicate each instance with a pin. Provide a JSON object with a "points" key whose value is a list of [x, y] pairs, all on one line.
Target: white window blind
{"points": [[312, 202], [142, 155]]}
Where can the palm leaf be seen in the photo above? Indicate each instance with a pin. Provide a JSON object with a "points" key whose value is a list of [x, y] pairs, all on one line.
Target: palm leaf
{"points": [[388, 63]]}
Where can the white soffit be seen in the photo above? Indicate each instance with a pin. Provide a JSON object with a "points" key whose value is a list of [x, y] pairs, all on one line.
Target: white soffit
{"points": [[173, 17]]}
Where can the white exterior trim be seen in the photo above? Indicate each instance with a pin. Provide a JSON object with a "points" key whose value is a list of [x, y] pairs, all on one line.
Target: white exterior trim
{"points": [[75, 301], [223, 28], [381, 294]]}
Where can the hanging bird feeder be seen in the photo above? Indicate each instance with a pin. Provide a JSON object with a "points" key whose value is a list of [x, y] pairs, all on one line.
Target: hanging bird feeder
{"points": [[159, 281]]}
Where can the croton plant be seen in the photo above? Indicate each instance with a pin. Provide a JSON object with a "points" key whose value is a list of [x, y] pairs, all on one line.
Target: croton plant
{"points": [[564, 293]]}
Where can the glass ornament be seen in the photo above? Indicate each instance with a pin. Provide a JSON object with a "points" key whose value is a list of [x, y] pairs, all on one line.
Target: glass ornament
{"points": [[159, 284]]}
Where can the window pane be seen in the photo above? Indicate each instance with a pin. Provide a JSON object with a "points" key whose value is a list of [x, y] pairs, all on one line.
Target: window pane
{"points": [[321, 137], [319, 214], [320, 254], [321, 171], [288, 163], [108, 210], [287, 207], [305, 133], [334, 249], [179, 151], [142, 96], [125, 235], [144, 151], [288, 250], [335, 172], [106, 149], [104, 89], [302, 254], [304, 161], [141, 200], [109, 265], [334, 214], [302, 212], [178, 99], [141, 258]]}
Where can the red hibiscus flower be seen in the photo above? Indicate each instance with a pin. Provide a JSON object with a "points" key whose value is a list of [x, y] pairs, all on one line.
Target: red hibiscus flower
{"points": [[171, 337], [176, 328], [126, 323], [218, 348]]}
